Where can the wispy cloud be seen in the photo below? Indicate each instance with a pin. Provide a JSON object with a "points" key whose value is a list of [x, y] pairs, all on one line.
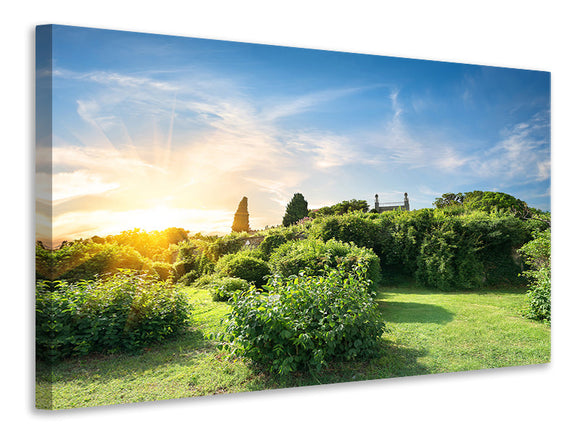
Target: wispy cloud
{"points": [[522, 153], [404, 147], [66, 185], [303, 103], [145, 139]]}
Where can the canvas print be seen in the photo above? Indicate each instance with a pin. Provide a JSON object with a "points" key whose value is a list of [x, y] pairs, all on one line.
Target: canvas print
{"points": [[217, 217]]}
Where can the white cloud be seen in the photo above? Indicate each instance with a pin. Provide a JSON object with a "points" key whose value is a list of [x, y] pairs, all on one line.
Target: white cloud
{"points": [[304, 103], [66, 185], [522, 153]]}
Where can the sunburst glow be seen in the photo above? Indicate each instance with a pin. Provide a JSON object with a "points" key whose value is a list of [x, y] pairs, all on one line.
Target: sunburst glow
{"points": [[173, 132]]}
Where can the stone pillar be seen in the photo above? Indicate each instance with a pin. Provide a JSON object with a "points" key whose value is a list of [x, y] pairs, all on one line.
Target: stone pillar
{"points": [[406, 202], [242, 217], [377, 202]]}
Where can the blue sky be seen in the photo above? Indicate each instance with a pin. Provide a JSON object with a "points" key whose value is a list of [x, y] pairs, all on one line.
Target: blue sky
{"points": [[155, 131]]}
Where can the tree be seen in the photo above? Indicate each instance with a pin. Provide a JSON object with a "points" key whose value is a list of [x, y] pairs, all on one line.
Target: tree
{"points": [[479, 200], [341, 208], [449, 199], [296, 209], [242, 217], [492, 201]]}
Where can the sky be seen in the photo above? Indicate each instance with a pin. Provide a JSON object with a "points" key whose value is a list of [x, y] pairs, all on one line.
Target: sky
{"points": [[151, 131]]}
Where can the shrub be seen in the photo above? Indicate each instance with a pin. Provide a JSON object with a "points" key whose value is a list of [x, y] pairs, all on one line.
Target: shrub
{"points": [[537, 255], [312, 255], [342, 208], [306, 321], [187, 270], [107, 258], [354, 227], [394, 236], [271, 242], [163, 271], [498, 235], [244, 265], [222, 289], [448, 260], [221, 246], [122, 313]]}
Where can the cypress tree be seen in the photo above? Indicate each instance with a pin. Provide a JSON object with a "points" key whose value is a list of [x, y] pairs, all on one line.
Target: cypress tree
{"points": [[242, 217]]}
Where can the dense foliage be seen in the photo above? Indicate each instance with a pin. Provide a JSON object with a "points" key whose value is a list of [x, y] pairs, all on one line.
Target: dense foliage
{"points": [[245, 265], [448, 248], [152, 244], [223, 288], [296, 209], [86, 260], [448, 259], [306, 321], [125, 312], [537, 255], [313, 257], [483, 201], [191, 263], [341, 208]]}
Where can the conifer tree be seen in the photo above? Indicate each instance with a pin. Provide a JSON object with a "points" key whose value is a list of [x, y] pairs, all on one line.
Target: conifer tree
{"points": [[296, 209], [242, 217]]}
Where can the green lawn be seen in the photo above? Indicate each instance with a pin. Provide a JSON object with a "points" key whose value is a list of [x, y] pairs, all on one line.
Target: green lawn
{"points": [[427, 332]]}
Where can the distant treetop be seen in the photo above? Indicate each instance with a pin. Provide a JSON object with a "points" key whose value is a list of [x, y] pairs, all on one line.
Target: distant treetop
{"points": [[479, 200], [341, 208]]}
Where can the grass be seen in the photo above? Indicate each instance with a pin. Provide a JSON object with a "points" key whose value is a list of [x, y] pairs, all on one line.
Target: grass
{"points": [[427, 332]]}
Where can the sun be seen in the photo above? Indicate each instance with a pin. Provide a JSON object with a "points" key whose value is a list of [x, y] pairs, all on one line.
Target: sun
{"points": [[157, 218]]}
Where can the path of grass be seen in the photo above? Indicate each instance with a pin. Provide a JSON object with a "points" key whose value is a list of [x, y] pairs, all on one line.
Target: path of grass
{"points": [[428, 332]]}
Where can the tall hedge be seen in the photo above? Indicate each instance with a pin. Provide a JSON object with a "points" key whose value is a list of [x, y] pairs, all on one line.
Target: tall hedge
{"points": [[444, 248]]}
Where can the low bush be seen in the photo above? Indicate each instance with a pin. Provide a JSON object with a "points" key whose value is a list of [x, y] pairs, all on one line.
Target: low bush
{"points": [[306, 321], [312, 256], [223, 288], [245, 265], [122, 313]]}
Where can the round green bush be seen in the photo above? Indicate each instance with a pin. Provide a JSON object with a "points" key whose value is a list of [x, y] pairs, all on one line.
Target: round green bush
{"points": [[306, 321], [244, 265]]}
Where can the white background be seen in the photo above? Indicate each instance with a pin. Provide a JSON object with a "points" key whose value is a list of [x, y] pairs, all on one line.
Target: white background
{"points": [[522, 34]]}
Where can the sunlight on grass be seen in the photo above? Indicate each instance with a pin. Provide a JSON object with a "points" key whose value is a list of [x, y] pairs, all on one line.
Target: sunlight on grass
{"points": [[427, 332]]}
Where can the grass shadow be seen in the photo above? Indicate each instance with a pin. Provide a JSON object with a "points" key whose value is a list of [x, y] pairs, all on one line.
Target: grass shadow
{"points": [[391, 361], [413, 312], [181, 350], [409, 286]]}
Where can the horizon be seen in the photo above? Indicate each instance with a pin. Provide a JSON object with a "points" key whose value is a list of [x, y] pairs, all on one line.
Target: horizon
{"points": [[154, 131]]}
